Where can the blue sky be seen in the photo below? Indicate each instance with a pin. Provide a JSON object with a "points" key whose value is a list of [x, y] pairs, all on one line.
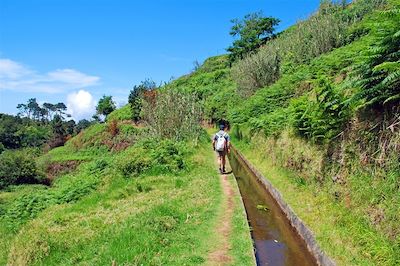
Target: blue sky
{"points": [[74, 51]]}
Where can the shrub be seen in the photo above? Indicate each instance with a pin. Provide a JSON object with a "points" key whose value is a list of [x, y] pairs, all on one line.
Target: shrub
{"points": [[134, 162], [258, 70], [28, 206], [69, 188], [34, 135], [18, 167], [271, 123], [153, 157], [265, 101], [174, 115], [320, 117], [169, 156], [112, 127], [377, 75]]}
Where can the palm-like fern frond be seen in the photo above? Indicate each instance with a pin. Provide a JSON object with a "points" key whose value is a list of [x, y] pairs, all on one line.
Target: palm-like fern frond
{"points": [[377, 73]]}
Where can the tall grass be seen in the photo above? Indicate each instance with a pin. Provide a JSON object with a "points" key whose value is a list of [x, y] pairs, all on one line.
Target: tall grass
{"points": [[325, 30], [174, 115]]}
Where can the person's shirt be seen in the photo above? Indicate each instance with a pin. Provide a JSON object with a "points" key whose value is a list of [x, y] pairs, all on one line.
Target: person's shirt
{"points": [[221, 133]]}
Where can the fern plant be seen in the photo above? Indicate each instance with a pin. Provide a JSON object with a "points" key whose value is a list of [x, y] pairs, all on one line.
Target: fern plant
{"points": [[377, 75], [320, 117]]}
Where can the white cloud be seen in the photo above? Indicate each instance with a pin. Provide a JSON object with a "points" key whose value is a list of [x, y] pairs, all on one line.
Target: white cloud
{"points": [[12, 70], [73, 77], [81, 104], [17, 77]]}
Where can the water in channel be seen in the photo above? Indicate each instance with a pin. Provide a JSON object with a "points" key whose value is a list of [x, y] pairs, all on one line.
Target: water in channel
{"points": [[275, 241]]}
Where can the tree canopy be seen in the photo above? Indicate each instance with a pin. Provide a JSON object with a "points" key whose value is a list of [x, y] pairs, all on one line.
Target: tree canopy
{"points": [[105, 106], [136, 96], [252, 31]]}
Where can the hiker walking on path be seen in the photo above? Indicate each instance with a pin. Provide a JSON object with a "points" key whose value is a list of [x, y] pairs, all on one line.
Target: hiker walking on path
{"points": [[221, 144]]}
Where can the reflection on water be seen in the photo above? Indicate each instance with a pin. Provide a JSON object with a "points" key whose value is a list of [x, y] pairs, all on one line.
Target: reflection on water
{"points": [[275, 241]]}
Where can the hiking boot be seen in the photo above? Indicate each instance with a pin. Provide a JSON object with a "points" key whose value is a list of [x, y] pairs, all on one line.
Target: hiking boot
{"points": [[221, 171]]}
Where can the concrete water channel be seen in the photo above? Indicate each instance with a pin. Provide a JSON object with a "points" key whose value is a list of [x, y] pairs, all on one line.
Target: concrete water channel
{"points": [[279, 236]]}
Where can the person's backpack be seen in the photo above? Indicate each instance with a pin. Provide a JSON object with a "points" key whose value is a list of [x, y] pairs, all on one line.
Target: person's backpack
{"points": [[221, 142]]}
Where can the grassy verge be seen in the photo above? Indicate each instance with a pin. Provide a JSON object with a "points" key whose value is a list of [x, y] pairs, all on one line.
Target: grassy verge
{"points": [[344, 235]]}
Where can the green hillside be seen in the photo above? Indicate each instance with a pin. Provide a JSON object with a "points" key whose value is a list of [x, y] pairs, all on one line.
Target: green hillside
{"points": [[326, 131], [316, 109]]}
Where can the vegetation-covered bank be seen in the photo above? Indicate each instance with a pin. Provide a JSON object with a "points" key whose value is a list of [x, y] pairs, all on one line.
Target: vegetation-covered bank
{"points": [[320, 104], [340, 229]]}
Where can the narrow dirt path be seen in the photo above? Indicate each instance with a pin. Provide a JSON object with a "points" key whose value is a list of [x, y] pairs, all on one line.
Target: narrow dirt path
{"points": [[220, 256]]}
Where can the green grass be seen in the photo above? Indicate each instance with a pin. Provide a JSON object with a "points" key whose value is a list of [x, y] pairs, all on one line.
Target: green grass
{"points": [[123, 113], [95, 215], [345, 235]]}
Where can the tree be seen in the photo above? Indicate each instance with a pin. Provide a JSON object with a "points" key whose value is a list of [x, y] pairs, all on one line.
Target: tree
{"points": [[135, 101], [30, 110], [33, 110], [60, 109], [82, 124], [70, 127], [23, 110], [96, 118], [51, 108], [136, 97], [18, 167], [105, 106], [59, 131], [34, 135], [9, 125], [253, 31]]}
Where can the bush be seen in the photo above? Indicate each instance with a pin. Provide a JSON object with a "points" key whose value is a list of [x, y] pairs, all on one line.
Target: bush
{"points": [[272, 123], [69, 188], [153, 156], [377, 74], [266, 100], [18, 167], [134, 162], [112, 127], [257, 71], [174, 115], [34, 135], [320, 117]]}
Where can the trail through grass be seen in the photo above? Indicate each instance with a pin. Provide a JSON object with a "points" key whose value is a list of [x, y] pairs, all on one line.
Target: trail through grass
{"points": [[151, 219]]}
